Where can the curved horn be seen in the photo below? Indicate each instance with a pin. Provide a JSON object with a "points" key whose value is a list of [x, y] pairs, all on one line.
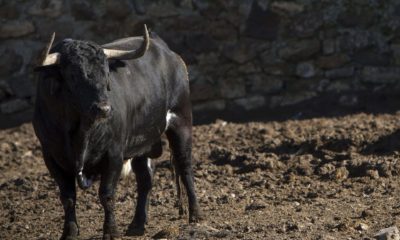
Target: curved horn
{"points": [[132, 54], [50, 59]]}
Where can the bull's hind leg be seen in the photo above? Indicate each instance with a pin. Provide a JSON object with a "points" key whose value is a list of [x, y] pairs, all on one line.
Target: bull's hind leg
{"points": [[144, 177], [179, 134], [66, 184]]}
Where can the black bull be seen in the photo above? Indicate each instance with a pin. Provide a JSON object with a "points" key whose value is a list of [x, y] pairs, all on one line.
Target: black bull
{"points": [[94, 110]]}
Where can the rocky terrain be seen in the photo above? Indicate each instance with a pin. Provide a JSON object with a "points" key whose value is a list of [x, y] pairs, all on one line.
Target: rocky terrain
{"points": [[319, 178]]}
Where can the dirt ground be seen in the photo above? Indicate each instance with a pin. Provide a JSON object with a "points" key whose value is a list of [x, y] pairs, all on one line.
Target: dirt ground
{"points": [[322, 178]]}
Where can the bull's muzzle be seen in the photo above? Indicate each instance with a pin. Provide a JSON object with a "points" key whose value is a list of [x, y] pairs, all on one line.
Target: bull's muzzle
{"points": [[100, 111]]}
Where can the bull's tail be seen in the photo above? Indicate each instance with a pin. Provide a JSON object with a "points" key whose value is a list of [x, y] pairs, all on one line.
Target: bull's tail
{"points": [[179, 189], [126, 168]]}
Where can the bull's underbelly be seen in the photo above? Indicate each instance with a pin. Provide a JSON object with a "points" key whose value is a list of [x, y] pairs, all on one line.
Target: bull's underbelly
{"points": [[142, 144]]}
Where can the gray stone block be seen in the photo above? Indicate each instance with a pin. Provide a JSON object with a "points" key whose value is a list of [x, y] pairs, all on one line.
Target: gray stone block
{"points": [[390, 233]]}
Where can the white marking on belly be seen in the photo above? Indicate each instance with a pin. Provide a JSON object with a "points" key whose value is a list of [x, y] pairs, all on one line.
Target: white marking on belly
{"points": [[126, 168], [170, 117]]}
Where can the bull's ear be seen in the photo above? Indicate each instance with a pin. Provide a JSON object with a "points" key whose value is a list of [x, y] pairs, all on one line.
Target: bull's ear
{"points": [[50, 74]]}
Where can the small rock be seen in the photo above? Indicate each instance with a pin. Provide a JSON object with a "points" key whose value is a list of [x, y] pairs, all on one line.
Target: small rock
{"points": [[263, 84], [323, 84], [167, 233], [239, 52], [290, 226], [312, 195], [326, 169], [340, 72], [22, 87], [341, 173], [47, 8], [306, 25], [12, 29], [118, 9], [5, 147], [362, 227], [287, 8], [374, 174], [255, 206], [203, 91], [348, 100], [232, 88], [380, 74], [291, 99], [250, 103], [10, 63], [19, 182], [333, 61], [300, 50], [326, 237], [9, 10], [305, 70], [371, 58], [328, 46], [390, 233], [366, 213]]}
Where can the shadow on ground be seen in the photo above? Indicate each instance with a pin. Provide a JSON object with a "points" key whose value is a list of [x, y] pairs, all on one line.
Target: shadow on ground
{"points": [[385, 145], [327, 105]]}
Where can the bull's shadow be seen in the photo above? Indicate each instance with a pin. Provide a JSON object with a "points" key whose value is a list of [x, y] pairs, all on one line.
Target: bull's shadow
{"points": [[385, 145]]}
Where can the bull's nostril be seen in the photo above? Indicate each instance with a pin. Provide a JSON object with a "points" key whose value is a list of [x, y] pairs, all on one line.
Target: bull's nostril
{"points": [[105, 109], [102, 110]]}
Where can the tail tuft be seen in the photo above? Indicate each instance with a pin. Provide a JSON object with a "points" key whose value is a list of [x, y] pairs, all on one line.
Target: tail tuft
{"points": [[126, 168]]}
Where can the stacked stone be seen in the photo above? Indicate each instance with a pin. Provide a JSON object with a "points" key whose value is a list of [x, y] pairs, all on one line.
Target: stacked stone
{"points": [[241, 54]]}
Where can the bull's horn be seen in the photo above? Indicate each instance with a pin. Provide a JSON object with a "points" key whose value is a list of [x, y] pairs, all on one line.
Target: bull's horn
{"points": [[50, 59], [126, 55]]}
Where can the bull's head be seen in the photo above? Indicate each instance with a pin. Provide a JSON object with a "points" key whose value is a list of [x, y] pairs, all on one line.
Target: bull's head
{"points": [[83, 70]]}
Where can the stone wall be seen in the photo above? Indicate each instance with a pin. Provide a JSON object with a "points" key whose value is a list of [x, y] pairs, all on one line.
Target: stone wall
{"points": [[241, 54]]}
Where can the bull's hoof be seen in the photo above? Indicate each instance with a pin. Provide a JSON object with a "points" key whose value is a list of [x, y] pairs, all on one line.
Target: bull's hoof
{"points": [[134, 230], [108, 236], [70, 231], [69, 238], [196, 216]]}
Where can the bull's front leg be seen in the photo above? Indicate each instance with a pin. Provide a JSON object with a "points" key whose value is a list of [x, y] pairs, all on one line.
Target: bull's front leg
{"points": [[109, 179], [66, 185]]}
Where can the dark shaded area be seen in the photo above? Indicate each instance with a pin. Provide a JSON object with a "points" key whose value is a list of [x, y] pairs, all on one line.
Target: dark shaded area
{"points": [[262, 24], [327, 105], [16, 119], [385, 145]]}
